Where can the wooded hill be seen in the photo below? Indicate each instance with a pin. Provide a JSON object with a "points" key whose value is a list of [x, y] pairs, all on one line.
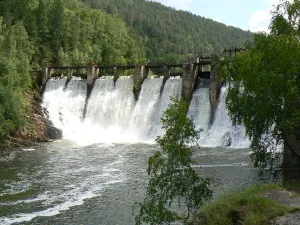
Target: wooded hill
{"points": [[170, 35], [59, 32]]}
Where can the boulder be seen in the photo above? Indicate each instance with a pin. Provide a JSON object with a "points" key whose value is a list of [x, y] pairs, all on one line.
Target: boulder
{"points": [[226, 139], [52, 132]]}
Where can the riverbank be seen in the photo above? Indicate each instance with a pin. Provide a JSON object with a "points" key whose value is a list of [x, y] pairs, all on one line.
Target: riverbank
{"points": [[260, 204], [36, 129]]}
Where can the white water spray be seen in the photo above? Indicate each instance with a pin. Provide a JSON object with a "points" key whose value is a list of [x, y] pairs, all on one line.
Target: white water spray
{"points": [[222, 132], [113, 116]]}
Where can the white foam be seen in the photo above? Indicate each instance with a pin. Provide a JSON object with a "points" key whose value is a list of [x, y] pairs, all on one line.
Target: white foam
{"points": [[71, 197], [55, 210], [240, 164], [28, 149]]}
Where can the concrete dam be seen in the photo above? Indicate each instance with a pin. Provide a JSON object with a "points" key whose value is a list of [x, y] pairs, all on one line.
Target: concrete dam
{"points": [[106, 109]]}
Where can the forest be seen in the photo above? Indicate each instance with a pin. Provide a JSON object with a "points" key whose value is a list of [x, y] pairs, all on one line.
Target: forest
{"points": [[169, 35]]}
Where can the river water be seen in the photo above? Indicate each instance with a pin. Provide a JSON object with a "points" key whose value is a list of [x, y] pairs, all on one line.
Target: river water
{"points": [[98, 172], [63, 183]]}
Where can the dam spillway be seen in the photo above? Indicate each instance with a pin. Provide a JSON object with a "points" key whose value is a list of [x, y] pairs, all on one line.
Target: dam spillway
{"points": [[112, 114]]}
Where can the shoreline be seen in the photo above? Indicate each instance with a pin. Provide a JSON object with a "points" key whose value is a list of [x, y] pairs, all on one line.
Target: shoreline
{"points": [[38, 128]]}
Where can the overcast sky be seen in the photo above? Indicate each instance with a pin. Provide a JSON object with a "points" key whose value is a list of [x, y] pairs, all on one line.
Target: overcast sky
{"points": [[253, 15]]}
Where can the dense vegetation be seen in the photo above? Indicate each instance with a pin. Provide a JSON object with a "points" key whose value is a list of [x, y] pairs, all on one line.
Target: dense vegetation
{"points": [[69, 32], [15, 54], [173, 182], [264, 90], [169, 35]]}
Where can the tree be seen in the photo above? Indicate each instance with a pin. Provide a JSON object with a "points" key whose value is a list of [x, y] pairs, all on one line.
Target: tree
{"points": [[15, 55], [172, 179], [264, 89], [169, 35]]}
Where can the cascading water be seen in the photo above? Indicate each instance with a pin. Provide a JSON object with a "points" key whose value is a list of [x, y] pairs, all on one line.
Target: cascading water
{"points": [[52, 98], [99, 105], [113, 116], [222, 132], [66, 104], [200, 111], [146, 108], [171, 88]]}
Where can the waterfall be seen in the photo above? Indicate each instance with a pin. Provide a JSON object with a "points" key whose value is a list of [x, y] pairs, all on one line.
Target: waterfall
{"points": [[222, 132], [52, 99], [65, 104], [146, 108], [112, 114], [172, 88], [200, 111], [110, 106]]}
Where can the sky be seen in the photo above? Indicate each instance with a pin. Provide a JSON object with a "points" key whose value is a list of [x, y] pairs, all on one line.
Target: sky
{"points": [[253, 15]]}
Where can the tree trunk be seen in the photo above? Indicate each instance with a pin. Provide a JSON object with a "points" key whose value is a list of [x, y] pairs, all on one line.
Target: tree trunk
{"points": [[291, 163], [292, 140]]}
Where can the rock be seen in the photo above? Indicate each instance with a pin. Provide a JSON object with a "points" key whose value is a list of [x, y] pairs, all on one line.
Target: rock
{"points": [[226, 139], [48, 122], [286, 198], [288, 219], [52, 132]]}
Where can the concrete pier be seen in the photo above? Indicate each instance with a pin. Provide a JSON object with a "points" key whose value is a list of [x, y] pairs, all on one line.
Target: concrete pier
{"points": [[189, 79], [214, 91], [138, 78], [92, 75]]}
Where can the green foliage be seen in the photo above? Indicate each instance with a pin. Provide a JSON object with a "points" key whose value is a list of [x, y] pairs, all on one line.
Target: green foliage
{"points": [[64, 32], [172, 179], [15, 54], [70, 33], [264, 87], [243, 207], [170, 35]]}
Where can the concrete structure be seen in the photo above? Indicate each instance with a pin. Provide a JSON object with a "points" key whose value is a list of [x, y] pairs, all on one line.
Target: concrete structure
{"points": [[191, 72], [189, 78]]}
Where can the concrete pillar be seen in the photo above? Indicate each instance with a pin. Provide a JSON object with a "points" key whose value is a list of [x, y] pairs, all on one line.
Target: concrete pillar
{"points": [[46, 75], [91, 75], [96, 72], [138, 80], [146, 73], [69, 73], [214, 91], [116, 74], [189, 78], [167, 73]]}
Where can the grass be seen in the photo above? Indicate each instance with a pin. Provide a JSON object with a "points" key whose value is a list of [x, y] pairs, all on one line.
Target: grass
{"points": [[246, 207], [293, 186]]}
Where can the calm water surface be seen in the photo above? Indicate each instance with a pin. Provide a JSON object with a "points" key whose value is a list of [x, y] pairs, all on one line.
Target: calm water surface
{"points": [[62, 183]]}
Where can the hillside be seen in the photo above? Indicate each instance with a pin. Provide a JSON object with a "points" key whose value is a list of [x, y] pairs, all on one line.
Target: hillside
{"points": [[56, 32], [171, 35]]}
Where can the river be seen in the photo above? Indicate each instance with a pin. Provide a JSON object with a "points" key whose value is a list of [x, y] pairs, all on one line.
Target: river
{"points": [[65, 183], [97, 174]]}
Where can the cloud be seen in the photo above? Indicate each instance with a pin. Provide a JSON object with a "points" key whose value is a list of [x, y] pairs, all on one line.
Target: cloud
{"points": [[217, 19], [272, 2], [178, 4], [260, 20]]}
